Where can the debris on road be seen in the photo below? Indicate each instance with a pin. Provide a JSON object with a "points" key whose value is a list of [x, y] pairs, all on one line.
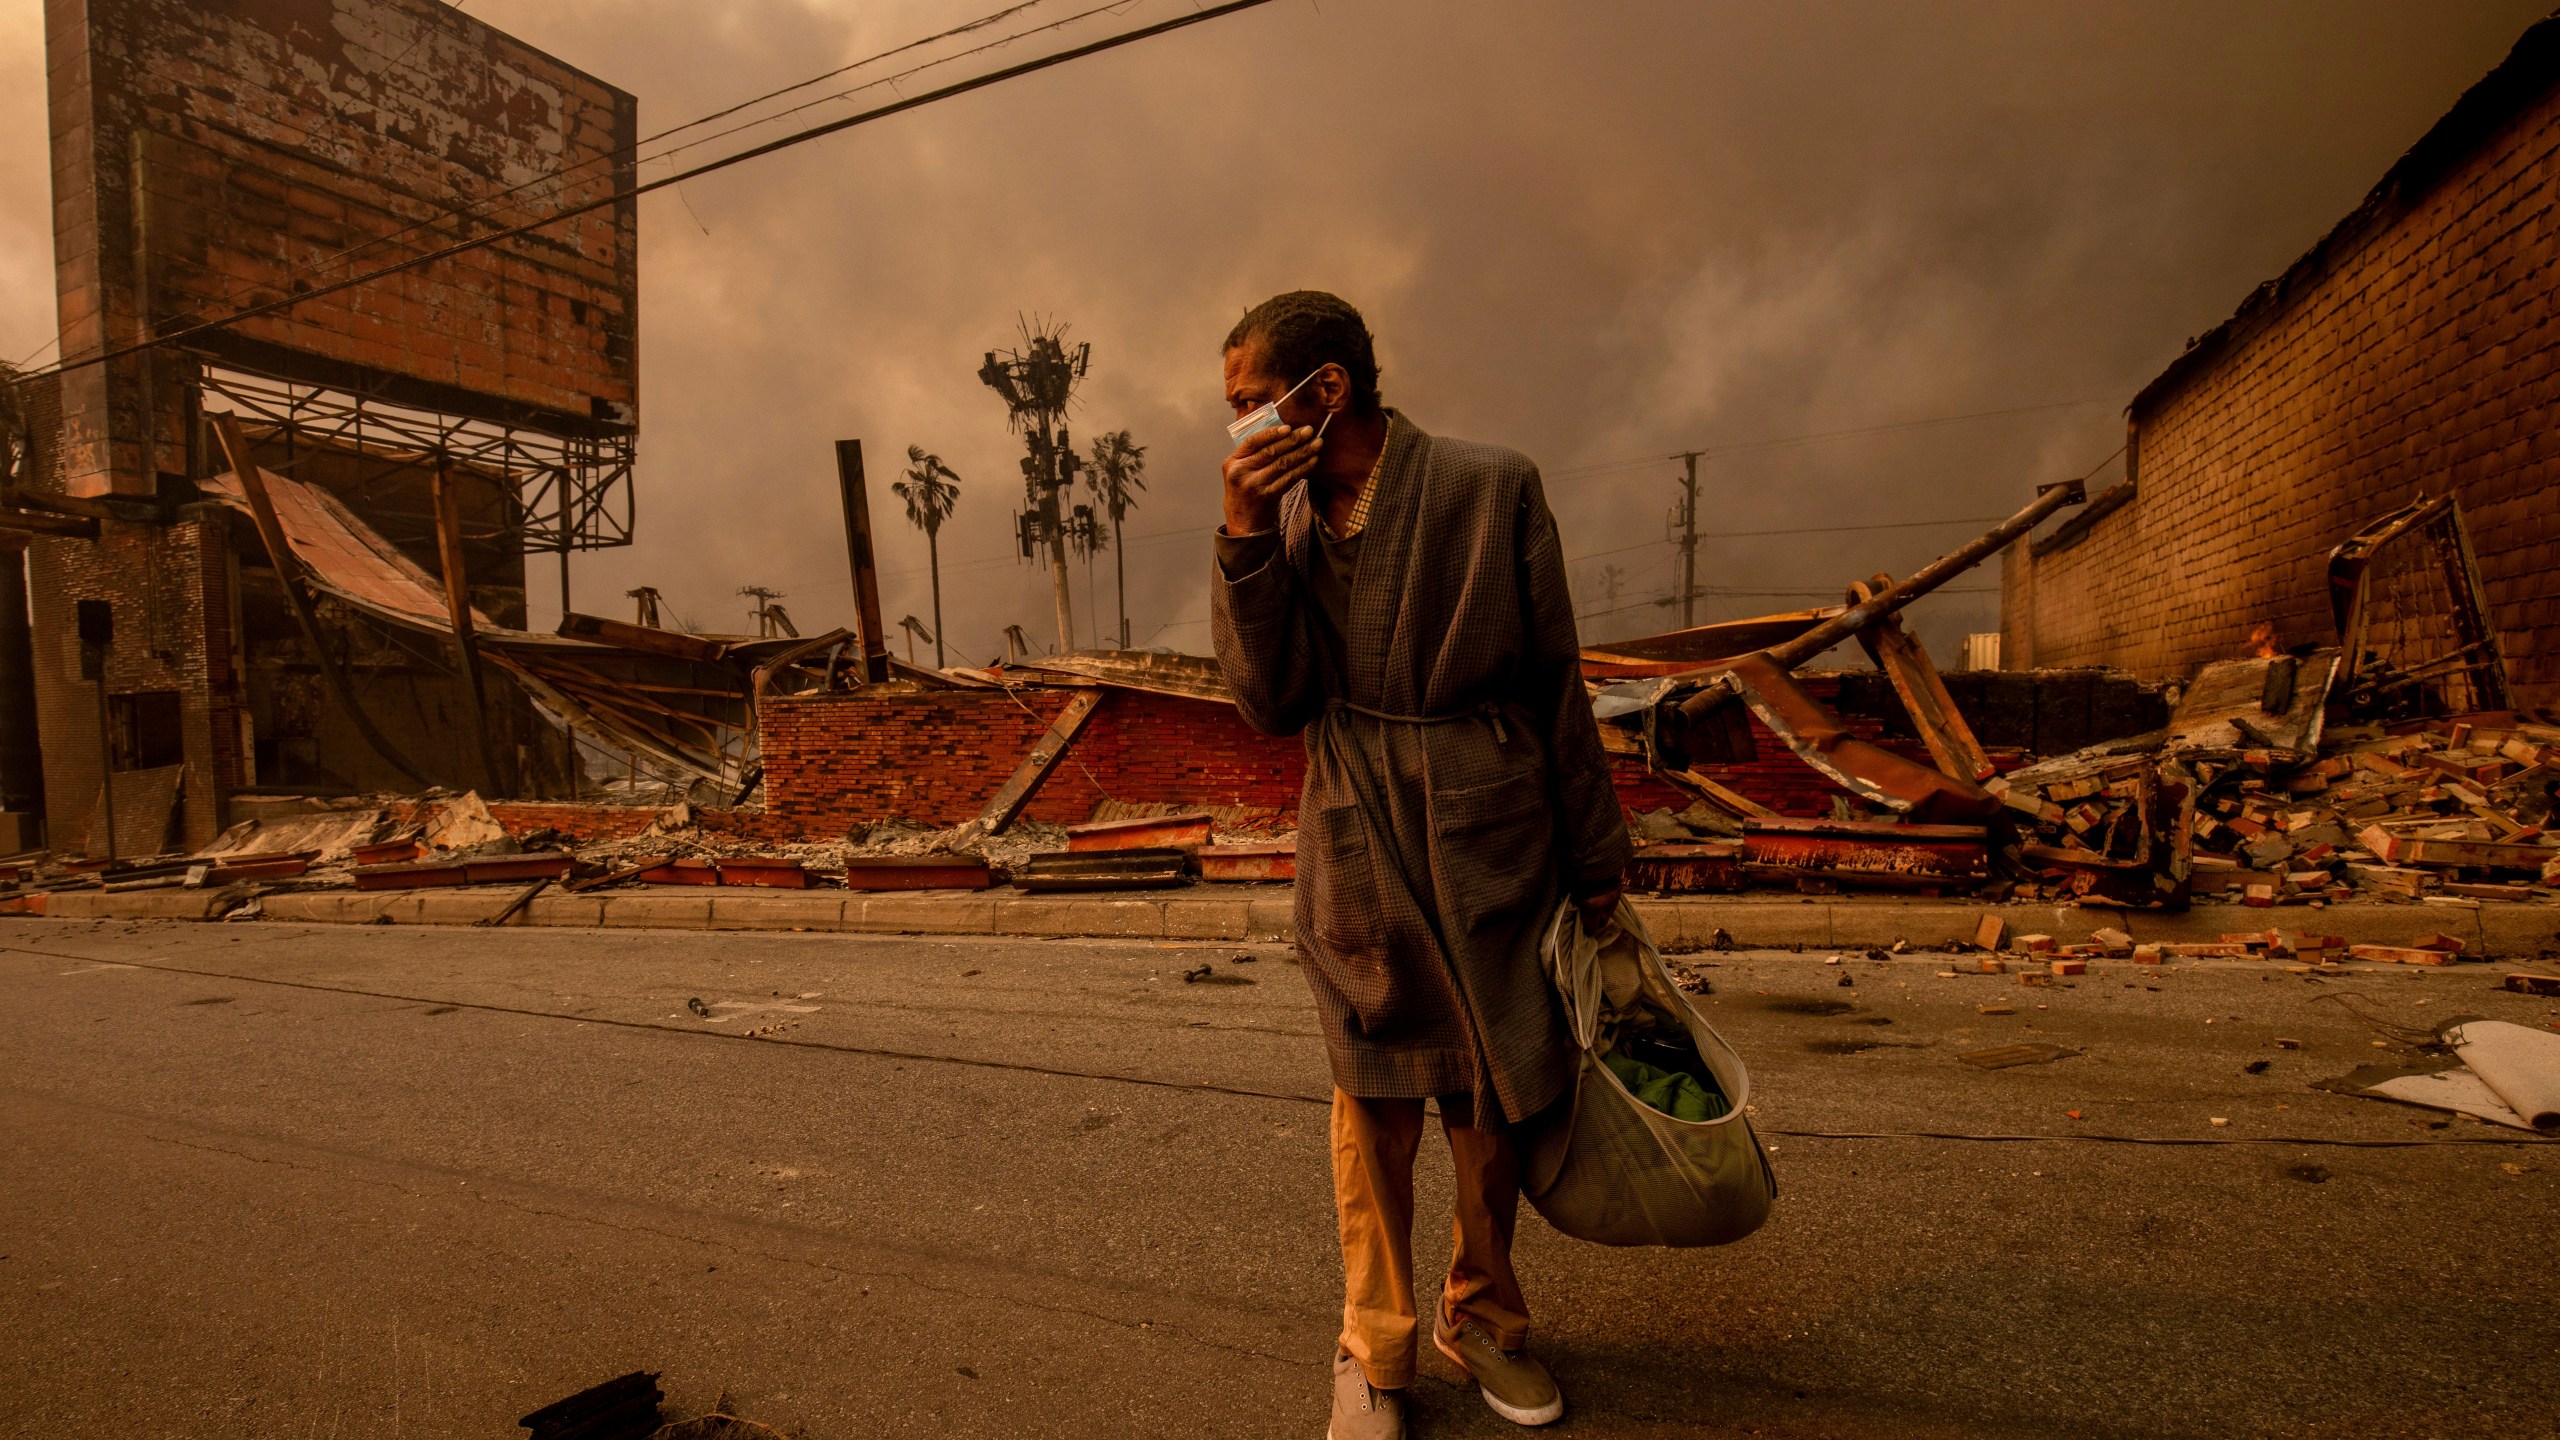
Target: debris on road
{"points": [[625, 1408], [2003, 1057], [2503, 1073]]}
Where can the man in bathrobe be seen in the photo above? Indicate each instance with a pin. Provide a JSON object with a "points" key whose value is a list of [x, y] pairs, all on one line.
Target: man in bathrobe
{"points": [[1400, 599]]}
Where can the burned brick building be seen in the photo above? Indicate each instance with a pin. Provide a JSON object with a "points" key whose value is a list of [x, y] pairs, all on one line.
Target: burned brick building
{"points": [[2414, 351], [211, 156]]}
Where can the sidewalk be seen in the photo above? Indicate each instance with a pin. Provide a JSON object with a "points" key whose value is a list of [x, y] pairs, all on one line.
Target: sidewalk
{"points": [[1261, 913]]}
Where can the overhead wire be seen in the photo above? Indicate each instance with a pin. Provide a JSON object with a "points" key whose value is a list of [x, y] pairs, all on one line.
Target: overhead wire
{"points": [[796, 138], [1787, 441], [464, 214]]}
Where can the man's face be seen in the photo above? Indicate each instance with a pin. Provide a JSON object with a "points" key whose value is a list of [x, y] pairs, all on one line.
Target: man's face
{"points": [[1251, 383]]}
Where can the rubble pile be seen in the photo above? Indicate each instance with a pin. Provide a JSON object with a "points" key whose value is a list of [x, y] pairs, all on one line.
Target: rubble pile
{"points": [[2453, 811]]}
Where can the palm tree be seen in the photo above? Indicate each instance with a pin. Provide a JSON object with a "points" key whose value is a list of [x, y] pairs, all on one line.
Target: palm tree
{"points": [[1118, 473], [932, 491]]}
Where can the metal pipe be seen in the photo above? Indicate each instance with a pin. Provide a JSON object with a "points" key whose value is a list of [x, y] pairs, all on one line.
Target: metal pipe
{"points": [[1925, 579]]}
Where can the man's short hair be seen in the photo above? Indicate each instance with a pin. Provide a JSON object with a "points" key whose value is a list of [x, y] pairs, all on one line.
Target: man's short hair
{"points": [[1304, 329]]}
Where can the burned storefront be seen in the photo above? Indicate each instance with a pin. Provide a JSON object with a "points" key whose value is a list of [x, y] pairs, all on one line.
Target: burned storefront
{"points": [[456, 422]]}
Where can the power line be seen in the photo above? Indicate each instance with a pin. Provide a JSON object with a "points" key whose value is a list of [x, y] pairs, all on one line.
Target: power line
{"points": [[800, 137], [1785, 441], [562, 176], [1797, 530], [1839, 595]]}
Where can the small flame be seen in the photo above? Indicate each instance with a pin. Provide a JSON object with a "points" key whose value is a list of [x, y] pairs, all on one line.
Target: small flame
{"points": [[2262, 641]]}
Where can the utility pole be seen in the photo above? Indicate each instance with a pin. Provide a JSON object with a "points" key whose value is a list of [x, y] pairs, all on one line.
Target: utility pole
{"points": [[1684, 518], [771, 621]]}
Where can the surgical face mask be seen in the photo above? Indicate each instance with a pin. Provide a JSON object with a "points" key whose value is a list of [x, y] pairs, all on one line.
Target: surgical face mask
{"points": [[1263, 417]]}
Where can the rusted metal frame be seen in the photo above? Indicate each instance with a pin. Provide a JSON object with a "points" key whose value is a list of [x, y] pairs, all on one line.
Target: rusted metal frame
{"points": [[457, 604], [554, 660], [638, 739], [262, 510], [625, 706], [644, 687], [1017, 790], [1924, 695], [2468, 604], [2476, 650], [619, 696], [1862, 768], [596, 467], [597, 690], [2460, 659], [866, 568], [2350, 562], [783, 660]]}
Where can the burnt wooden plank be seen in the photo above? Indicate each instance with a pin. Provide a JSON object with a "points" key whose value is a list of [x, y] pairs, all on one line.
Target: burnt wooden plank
{"points": [[1017, 790]]}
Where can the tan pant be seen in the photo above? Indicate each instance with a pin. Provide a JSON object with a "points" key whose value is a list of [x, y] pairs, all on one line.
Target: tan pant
{"points": [[1373, 1148]]}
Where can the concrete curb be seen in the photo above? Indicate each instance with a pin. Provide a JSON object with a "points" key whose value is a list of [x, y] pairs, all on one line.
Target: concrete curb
{"points": [[1261, 913]]}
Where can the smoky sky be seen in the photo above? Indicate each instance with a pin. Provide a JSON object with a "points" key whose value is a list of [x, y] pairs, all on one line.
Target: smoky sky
{"points": [[1598, 232]]}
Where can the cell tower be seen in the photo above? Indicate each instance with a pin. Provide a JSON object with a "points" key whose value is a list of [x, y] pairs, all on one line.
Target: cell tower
{"points": [[1037, 382]]}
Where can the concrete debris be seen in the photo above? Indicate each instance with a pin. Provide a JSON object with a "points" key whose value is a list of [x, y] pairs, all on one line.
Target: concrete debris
{"points": [[464, 824]]}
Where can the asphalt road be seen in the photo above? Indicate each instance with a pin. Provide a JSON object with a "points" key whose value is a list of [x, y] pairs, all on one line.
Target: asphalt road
{"points": [[264, 1180]]}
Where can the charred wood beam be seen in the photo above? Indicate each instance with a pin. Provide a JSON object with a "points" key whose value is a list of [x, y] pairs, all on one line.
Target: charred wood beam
{"points": [[866, 569], [1044, 757], [2049, 498], [262, 509], [649, 639], [1923, 693], [457, 604]]}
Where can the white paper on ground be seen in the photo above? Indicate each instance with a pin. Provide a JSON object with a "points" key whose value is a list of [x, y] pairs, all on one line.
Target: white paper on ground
{"points": [[2521, 1065], [2456, 1089]]}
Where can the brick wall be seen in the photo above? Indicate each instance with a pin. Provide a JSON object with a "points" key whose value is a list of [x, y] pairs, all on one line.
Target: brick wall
{"points": [[263, 138], [2416, 349], [841, 760], [832, 762]]}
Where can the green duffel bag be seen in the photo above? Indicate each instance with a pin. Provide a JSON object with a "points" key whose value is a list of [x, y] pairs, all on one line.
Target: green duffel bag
{"points": [[1605, 1166]]}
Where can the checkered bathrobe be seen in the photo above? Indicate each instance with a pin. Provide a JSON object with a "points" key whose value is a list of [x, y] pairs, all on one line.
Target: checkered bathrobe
{"points": [[1464, 830]]}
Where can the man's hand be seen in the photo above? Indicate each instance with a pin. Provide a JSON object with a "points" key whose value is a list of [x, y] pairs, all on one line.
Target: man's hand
{"points": [[1261, 472], [1597, 909]]}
